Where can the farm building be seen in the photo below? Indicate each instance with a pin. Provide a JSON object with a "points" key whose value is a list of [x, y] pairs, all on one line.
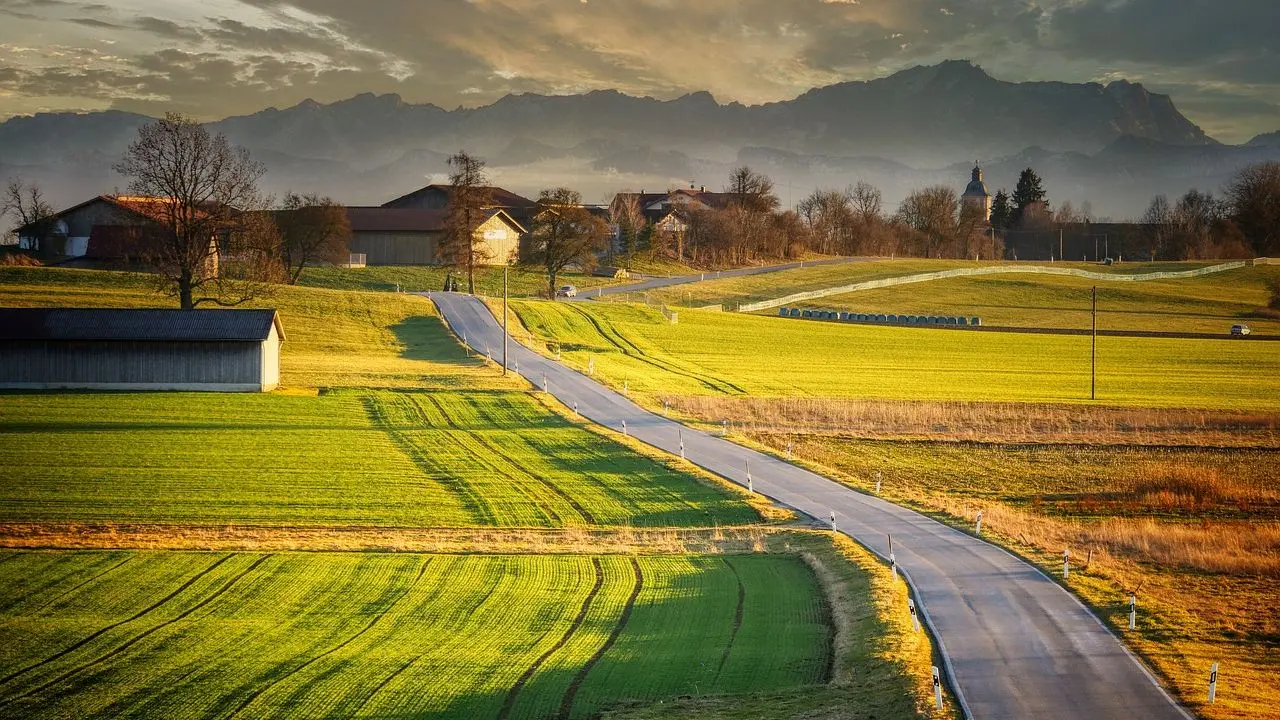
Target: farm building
{"points": [[107, 229], [109, 349], [436, 197], [411, 236]]}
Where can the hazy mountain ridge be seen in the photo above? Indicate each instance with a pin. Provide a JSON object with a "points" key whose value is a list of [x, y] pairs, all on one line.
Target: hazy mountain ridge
{"points": [[369, 148]]}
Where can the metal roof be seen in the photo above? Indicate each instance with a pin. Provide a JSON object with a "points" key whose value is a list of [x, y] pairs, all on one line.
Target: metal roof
{"points": [[138, 325]]}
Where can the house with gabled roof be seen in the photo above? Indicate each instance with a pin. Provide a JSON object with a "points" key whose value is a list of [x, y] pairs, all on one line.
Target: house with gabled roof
{"points": [[412, 236]]}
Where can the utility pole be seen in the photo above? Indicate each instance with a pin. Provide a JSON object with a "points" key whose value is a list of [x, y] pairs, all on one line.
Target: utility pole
{"points": [[1093, 361], [504, 320]]}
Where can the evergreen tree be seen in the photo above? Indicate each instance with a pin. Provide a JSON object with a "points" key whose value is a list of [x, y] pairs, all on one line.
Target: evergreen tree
{"points": [[1001, 211], [1029, 191]]}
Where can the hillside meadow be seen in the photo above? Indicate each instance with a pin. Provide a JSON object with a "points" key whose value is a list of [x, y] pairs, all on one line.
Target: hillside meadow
{"points": [[716, 353], [1207, 304], [569, 585]]}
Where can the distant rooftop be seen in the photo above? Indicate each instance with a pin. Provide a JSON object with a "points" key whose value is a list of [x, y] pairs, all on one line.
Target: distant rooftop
{"points": [[137, 324]]}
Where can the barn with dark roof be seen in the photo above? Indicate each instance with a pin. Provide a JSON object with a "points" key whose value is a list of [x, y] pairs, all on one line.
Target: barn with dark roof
{"points": [[110, 349]]}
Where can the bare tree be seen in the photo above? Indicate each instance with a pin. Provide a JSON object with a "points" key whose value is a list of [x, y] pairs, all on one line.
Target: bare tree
{"points": [[218, 243], [751, 190], [866, 201], [626, 215], [564, 233], [933, 212], [469, 197], [1158, 225], [312, 229], [1253, 197], [26, 205]]}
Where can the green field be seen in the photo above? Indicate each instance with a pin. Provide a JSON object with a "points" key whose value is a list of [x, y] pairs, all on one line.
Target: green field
{"points": [[735, 291], [437, 459], [1207, 304], [728, 353], [192, 635], [332, 338], [521, 281]]}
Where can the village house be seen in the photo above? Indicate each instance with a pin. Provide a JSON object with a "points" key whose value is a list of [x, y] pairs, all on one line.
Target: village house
{"points": [[107, 229]]}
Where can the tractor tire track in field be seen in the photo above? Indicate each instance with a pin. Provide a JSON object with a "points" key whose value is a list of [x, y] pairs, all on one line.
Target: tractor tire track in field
{"points": [[146, 633], [573, 503], [412, 661], [471, 500], [66, 593], [566, 705], [737, 618], [631, 350], [368, 626], [98, 633], [509, 703]]}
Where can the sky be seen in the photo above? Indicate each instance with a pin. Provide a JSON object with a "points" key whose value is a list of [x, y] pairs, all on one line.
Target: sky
{"points": [[1219, 59]]}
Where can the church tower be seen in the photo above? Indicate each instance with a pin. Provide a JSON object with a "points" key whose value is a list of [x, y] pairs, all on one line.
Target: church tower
{"points": [[976, 196]]}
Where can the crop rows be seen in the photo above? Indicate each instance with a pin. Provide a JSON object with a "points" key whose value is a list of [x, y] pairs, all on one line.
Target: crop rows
{"points": [[178, 635], [765, 356], [516, 464], [207, 459]]}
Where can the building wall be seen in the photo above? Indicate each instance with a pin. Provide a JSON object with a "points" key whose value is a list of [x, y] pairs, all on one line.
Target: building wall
{"points": [[271, 360], [101, 212], [226, 366], [502, 242], [396, 248]]}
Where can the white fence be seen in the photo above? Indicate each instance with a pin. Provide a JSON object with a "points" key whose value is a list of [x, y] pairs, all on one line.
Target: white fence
{"points": [[992, 270]]}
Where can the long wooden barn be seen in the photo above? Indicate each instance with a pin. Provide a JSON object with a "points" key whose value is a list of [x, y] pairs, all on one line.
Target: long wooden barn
{"points": [[109, 349]]}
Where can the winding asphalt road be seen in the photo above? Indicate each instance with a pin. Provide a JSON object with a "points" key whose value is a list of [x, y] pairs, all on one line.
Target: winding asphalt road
{"points": [[660, 282], [1016, 645]]}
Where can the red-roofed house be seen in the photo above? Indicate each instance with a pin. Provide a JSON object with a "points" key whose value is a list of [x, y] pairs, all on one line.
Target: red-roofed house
{"points": [[109, 228]]}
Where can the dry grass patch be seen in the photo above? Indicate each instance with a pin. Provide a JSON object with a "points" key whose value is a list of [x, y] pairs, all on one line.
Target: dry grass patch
{"points": [[986, 422]]}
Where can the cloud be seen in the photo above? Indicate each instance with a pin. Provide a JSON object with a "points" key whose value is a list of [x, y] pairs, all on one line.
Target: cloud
{"points": [[214, 57]]}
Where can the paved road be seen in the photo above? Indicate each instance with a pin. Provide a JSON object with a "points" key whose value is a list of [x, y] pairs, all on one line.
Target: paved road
{"points": [[1252, 337], [659, 282], [1017, 645]]}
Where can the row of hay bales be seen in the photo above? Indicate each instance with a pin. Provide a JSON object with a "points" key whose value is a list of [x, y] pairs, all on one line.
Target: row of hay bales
{"points": [[934, 320]]}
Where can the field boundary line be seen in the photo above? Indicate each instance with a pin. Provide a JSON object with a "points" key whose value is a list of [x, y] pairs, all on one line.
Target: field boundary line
{"points": [[991, 270]]}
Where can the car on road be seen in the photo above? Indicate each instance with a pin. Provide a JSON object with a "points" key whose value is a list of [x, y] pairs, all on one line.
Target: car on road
{"points": [[1240, 330], [567, 291]]}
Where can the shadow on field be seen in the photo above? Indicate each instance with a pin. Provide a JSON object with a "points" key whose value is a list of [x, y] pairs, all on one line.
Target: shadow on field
{"points": [[424, 337]]}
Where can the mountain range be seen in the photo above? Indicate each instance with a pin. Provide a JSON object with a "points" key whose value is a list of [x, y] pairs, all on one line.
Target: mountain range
{"points": [[1114, 145]]}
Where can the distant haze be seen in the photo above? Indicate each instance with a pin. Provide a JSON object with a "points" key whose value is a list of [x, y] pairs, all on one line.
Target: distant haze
{"points": [[1113, 145]]}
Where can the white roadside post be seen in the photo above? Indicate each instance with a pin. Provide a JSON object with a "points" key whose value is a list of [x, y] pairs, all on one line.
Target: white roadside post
{"points": [[879, 477], [575, 409], [977, 527], [488, 352], [833, 521], [937, 687], [664, 408], [1213, 683], [517, 364], [624, 427], [681, 444], [544, 382], [1133, 611], [915, 619], [724, 428], [1066, 563], [893, 559], [788, 450], [750, 486]]}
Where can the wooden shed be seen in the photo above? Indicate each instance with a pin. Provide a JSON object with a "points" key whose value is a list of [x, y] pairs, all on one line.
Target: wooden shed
{"points": [[109, 349]]}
